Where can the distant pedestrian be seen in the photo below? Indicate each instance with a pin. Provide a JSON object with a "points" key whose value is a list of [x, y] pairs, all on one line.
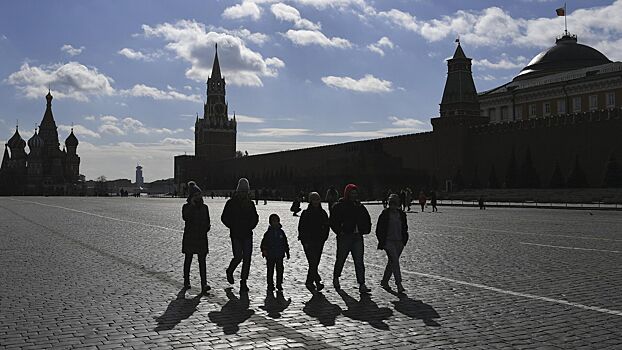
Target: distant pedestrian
{"points": [[197, 223], [350, 221], [313, 230], [392, 234], [403, 199], [264, 194], [274, 248], [295, 208], [256, 197], [422, 200], [408, 197], [332, 196], [482, 203], [433, 201], [240, 216]]}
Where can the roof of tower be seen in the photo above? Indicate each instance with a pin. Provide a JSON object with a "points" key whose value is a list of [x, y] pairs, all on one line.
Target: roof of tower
{"points": [[71, 140], [566, 55], [5, 158], [48, 118], [16, 140], [459, 52], [35, 141], [216, 67]]}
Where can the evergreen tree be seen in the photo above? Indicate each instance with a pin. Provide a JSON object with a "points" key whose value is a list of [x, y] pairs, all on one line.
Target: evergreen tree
{"points": [[557, 180], [511, 173], [613, 173], [493, 181], [577, 178], [458, 181], [475, 183], [528, 175]]}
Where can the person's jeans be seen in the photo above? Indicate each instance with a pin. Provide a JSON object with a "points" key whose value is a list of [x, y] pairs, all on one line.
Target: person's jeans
{"points": [[271, 263], [188, 262], [394, 250], [242, 251], [313, 251], [346, 244]]}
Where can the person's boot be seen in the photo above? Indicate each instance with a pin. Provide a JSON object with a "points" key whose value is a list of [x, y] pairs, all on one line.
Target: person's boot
{"points": [[310, 286], [319, 285], [187, 283], [206, 288], [229, 276], [385, 284], [400, 288], [243, 286], [363, 288], [336, 283]]}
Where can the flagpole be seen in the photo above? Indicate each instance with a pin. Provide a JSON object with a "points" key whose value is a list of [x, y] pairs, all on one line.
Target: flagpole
{"points": [[565, 22]]}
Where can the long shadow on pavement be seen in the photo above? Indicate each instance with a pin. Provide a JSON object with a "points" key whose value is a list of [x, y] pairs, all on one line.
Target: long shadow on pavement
{"points": [[233, 313], [178, 310], [319, 307], [416, 309], [366, 310], [274, 306]]}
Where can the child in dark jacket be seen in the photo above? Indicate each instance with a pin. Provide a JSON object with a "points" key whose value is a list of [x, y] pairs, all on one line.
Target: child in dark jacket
{"points": [[274, 248]]}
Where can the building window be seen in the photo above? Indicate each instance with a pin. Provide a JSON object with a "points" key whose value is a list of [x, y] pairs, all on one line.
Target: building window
{"points": [[504, 113], [532, 110], [492, 113], [593, 102], [547, 108], [561, 106], [611, 99], [576, 104], [518, 112]]}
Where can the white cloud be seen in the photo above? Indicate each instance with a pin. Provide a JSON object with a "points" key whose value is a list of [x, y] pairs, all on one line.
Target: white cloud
{"points": [[141, 90], [79, 130], [384, 42], [111, 129], [70, 80], [72, 51], [190, 41], [128, 125], [90, 118], [243, 10], [138, 55], [177, 142], [315, 37], [399, 126], [108, 119], [275, 132], [244, 34], [408, 122], [288, 13], [248, 119], [505, 62], [368, 83]]}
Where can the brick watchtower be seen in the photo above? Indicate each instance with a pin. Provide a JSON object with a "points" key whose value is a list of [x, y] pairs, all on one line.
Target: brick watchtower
{"points": [[215, 133]]}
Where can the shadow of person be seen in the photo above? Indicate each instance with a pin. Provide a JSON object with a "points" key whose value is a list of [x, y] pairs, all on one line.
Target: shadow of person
{"points": [[274, 306], [319, 307], [416, 309], [233, 313], [366, 310], [178, 310]]}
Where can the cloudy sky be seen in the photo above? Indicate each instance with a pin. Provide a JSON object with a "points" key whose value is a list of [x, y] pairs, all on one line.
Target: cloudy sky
{"points": [[130, 75]]}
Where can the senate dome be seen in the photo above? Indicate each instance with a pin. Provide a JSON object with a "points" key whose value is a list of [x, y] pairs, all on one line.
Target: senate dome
{"points": [[566, 55]]}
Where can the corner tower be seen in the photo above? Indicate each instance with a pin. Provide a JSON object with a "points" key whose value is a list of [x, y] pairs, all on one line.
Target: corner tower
{"points": [[459, 96], [215, 133]]}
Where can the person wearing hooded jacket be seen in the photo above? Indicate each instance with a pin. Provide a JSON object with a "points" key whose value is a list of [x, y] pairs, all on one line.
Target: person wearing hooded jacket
{"points": [[197, 223], [392, 234], [350, 220], [313, 230], [240, 216]]}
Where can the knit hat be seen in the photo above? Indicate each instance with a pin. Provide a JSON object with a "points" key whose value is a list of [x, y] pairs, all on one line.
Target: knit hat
{"points": [[314, 195], [348, 189], [394, 198], [193, 189], [243, 185]]}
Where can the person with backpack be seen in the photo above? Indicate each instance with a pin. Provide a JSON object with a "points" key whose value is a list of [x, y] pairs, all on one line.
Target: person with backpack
{"points": [[313, 230], [240, 216], [350, 220], [195, 214], [392, 235]]}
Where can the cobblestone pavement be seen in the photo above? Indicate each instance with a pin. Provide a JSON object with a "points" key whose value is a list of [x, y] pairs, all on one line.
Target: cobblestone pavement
{"points": [[103, 273]]}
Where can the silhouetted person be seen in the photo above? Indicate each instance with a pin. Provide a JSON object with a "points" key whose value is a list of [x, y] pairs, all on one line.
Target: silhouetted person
{"points": [[240, 216], [408, 198], [264, 194], [482, 204], [332, 196], [197, 223], [256, 197], [433, 201], [350, 221], [295, 208], [403, 198], [313, 229], [212, 194], [392, 234], [422, 200], [274, 247]]}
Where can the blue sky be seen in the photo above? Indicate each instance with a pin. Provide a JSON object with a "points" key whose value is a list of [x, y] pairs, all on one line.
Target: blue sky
{"points": [[130, 75]]}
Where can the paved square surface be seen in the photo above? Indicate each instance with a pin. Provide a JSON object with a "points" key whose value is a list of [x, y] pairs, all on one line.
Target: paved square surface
{"points": [[107, 272]]}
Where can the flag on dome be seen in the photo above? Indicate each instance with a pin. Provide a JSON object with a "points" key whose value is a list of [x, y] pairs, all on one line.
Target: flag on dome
{"points": [[561, 11]]}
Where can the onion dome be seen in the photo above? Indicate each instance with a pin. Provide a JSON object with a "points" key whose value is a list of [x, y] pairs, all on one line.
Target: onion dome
{"points": [[566, 55], [71, 140], [16, 141], [35, 141]]}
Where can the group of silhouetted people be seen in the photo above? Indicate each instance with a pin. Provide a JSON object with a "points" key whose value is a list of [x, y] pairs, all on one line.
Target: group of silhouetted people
{"points": [[348, 218]]}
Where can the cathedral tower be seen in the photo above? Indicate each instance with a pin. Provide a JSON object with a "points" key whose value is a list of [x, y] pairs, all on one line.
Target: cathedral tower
{"points": [[215, 133]]}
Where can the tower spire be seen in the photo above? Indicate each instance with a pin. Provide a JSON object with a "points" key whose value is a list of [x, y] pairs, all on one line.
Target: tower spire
{"points": [[216, 67]]}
